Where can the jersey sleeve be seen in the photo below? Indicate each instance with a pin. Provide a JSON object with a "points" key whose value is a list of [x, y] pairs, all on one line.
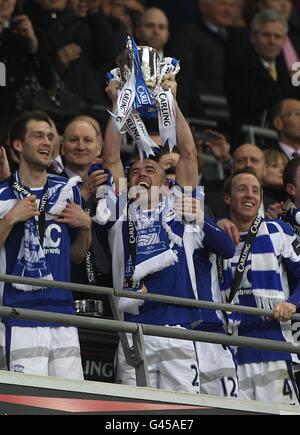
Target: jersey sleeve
{"points": [[216, 240], [290, 252]]}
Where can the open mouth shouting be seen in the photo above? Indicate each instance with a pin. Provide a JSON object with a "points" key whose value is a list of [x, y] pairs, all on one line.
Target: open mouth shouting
{"points": [[144, 185]]}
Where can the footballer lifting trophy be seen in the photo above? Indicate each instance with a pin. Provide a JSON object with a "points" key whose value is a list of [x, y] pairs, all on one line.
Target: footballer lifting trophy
{"points": [[141, 72]]}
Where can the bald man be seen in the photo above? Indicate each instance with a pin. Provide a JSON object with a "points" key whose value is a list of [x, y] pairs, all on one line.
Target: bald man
{"points": [[249, 155], [153, 30], [81, 147]]}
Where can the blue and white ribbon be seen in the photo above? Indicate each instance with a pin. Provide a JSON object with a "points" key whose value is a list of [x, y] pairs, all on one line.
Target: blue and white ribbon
{"points": [[138, 132], [143, 102], [135, 100], [166, 105], [125, 101]]}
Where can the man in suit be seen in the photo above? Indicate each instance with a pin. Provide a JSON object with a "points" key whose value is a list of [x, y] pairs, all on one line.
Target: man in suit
{"points": [[291, 47], [286, 121], [200, 49], [258, 78]]}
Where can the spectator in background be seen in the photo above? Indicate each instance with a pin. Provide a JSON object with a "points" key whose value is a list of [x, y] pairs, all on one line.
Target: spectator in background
{"points": [[153, 30], [288, 211], [286, 121], [291, 46], [79, 46], [257, 78], [251, 156], [84, 8], [272, 181], [124, 15], [82, 145], [179, 12], [23, 58], [200, 48]]}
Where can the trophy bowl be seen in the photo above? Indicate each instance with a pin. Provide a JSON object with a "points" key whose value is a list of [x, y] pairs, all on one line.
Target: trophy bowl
{"points": [[150, 64]]}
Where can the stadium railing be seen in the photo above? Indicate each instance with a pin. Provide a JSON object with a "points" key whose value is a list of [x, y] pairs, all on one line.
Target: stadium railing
{"points": [[135, 355], [258, 135]]}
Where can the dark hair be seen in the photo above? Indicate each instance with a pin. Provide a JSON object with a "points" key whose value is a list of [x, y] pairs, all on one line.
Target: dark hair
{"points": [[153, 158], [19, 126], [247, 170], [165, 151], [289, 173], [274, 112]]}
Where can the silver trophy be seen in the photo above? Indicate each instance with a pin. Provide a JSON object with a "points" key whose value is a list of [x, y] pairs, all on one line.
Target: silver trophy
{"points": [[142, 71], [150, 64]]}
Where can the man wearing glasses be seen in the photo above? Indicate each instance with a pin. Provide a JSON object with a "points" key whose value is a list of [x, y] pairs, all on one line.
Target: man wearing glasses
{"points": [[286, 122]]}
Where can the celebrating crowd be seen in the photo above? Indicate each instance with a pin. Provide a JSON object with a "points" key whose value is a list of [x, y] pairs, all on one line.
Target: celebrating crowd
{"points": [[75, 208]]}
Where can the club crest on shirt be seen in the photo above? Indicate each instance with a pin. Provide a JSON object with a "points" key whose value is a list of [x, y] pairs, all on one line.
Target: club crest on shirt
{"points": [[149, 240]]}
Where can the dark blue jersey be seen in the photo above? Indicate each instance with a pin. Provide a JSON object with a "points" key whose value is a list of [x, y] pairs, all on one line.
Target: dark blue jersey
{"points": [[57, 251]]}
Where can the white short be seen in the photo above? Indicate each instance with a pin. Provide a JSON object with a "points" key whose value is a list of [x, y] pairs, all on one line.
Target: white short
{"points": [[3, 363], [268, 381], [46, 351], [217, 370], [172, 364]]}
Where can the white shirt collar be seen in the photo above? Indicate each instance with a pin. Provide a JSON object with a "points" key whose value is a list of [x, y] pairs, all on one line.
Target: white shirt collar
{"points": [[267, 64], [288, 150], [214, 28]]}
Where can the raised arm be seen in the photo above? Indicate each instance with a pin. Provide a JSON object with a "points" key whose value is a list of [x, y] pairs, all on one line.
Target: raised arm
{"points": [[187, 166], [111, 153]]}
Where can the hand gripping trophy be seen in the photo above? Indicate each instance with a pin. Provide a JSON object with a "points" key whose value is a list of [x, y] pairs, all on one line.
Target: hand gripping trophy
{"points": [[142, 72]]}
